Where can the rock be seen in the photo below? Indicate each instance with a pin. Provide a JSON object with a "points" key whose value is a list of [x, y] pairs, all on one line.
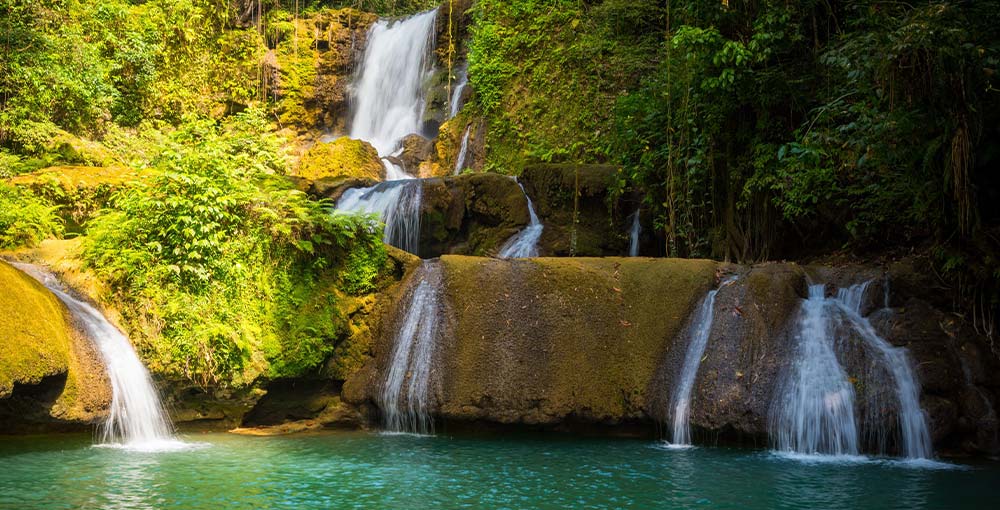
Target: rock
{"points": [[598, 232], [342, 158], [416, 150], [51, 377]]}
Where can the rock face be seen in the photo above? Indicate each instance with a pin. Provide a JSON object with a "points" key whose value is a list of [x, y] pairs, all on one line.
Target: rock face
{"points": [[599, 343], [599, 230], [51, 377]]}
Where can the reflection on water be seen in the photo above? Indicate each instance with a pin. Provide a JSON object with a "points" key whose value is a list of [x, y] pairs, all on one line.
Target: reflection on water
{"points": [[360, 470]]}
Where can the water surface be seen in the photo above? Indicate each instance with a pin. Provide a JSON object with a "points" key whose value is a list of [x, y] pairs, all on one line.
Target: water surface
{"points": [[367, 470]]}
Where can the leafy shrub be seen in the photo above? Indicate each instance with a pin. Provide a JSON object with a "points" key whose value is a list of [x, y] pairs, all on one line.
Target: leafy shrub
{"points": [[25, 219]]}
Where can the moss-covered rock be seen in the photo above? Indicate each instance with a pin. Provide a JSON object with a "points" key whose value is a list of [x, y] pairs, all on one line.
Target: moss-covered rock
{"points": [[343, 158], [81, 191], [50, 374]]}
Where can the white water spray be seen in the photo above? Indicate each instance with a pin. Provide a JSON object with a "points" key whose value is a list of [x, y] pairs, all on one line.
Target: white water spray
{"points": [[136, 419], [524, 244], [405, 398]]}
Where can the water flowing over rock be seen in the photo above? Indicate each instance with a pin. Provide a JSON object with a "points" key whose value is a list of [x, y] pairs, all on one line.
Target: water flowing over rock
{"points": [[814, 411], [914, 433], [405, 399], [136, 418], [699, 331], [456, 95], [633, 235], [389, 94], [462, 151], [389, 105], [524, 244]]}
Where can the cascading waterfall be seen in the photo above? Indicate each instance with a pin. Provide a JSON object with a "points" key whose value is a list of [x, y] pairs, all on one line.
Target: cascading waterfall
{"points": [[915, 435], [136, 419], [633, 236], [405, 396], [397, 203], [698, 333], [814, 411], [389, 104], [460, 161], [389, 93], [456, 95], [524, 244]]}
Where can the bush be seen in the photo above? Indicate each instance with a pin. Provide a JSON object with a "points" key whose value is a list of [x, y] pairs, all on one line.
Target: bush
{"points": [[25, 219]]}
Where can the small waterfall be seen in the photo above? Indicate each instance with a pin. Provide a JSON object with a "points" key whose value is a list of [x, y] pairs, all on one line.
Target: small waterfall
{"points": [[389, 104], [397, 203], [814, 411], [916, 437], [460, 161], [698, 333], [524, 244], [389, 93], [406, 393], [136, 419], [633, 236], [456, 95]]}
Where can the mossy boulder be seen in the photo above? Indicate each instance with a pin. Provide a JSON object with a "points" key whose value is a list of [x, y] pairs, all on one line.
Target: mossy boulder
{"points": [[341, 159], [50, 374]]}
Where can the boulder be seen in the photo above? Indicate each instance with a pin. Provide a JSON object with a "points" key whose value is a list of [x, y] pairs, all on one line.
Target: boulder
{"points": [[343, 158]]}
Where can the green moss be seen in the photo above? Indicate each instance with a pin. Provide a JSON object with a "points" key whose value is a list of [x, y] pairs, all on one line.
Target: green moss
{"points": [[341, 158], [34, 338]]}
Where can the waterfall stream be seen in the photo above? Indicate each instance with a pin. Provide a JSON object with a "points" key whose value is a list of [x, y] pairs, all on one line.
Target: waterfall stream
{"points": [[460, 161], [916, 438], [136, 418], [815, 411], [698, 332], [524, 244], [633, 235], [406, 393], [456, 95], [388, 105]]}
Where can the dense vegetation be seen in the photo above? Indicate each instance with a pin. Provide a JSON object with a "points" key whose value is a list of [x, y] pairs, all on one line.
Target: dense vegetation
{"points": [[748, 130], [761, 130]]}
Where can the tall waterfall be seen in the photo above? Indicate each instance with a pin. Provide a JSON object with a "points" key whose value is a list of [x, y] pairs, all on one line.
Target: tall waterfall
{"points": [[136, 419], [633, 235], [524, 244], [914, 433], [405, 398], [389, 94], [462, 150], [456, 95], [814, 412], [698, 333], [389, 104]]}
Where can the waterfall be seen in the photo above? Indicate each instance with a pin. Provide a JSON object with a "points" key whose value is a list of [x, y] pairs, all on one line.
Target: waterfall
{"points": [[916, 437], [456, 95], [389, 93], [460, 162], [136, 419], [405, 396], [633, 236], [397, 204], [814, 411], [698, 333], [524, 244], [389, 104]]}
